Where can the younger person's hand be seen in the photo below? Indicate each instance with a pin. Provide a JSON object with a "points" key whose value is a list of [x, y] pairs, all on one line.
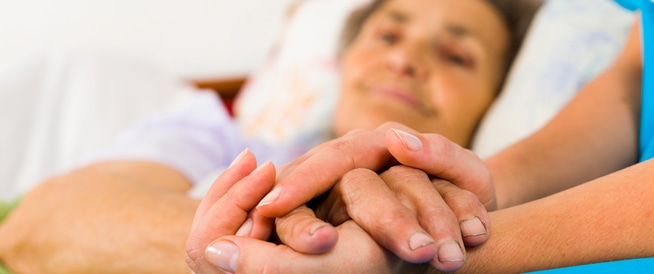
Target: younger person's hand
{"points": [[228, 209], [225, 210]]}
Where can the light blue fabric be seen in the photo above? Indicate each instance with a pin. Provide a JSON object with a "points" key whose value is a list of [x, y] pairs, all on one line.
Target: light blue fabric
{"points": [[646, 146], [646, 138], [645, 265]]}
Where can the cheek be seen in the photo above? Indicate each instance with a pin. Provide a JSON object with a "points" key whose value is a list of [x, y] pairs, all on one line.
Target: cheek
{"points": [[357, 63], [460, 103]]}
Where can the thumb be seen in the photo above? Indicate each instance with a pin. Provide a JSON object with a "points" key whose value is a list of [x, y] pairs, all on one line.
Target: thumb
{"points": [[440, 157]]}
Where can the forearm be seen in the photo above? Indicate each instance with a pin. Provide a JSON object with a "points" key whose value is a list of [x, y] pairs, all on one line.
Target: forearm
{"points": [[594, 135], [605, 219], [106, 218]]}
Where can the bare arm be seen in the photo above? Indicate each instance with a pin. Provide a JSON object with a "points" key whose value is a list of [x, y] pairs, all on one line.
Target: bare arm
{"points": [[603, 220], [112, 217], [594, 135]]}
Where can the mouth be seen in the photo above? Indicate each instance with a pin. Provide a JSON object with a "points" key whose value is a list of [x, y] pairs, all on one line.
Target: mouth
{"points": [[404, 96]]}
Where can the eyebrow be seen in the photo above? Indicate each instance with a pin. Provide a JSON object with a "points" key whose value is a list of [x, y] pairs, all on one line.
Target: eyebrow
{"points": [[458, 30], [398, 16], [454, 29]]}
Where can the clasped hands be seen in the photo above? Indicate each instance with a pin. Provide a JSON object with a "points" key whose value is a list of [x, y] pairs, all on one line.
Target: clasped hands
{"points": [[428, 201]]}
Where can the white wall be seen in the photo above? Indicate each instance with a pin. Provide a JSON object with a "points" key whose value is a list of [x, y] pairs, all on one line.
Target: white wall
{"points": [[192, 38]]}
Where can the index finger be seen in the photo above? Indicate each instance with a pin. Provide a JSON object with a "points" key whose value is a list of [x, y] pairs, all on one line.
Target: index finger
{"points": [[312, 175], [227, 214], [241, 167]]}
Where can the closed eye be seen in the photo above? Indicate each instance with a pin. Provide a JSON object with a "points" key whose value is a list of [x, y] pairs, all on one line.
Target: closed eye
{"points": [[388, 37], [454, 56], [456, 59]]}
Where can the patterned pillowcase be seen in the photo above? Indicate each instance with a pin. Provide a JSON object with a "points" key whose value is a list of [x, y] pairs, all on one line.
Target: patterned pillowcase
{"points": [[568, 44], [290, 100]]}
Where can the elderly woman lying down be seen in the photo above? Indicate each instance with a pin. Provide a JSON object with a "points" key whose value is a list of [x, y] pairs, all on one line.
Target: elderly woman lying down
{"points": [[434, 65], [599, 146]]}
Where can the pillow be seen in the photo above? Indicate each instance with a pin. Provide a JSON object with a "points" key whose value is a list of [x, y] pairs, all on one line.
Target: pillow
{"points": [[568, 44], [290, 99]]}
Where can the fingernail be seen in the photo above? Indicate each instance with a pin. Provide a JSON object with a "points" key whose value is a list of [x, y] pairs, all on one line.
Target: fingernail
{"points": [[245, 228], [410, 141], [271, 197], [239, 157], [450, 252], [420, 239], [472, 227], [315, 227], [223, 254]]}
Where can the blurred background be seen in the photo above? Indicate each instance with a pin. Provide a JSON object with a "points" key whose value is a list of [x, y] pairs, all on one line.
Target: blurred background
{"points": [[195, 39], [75, 73]]}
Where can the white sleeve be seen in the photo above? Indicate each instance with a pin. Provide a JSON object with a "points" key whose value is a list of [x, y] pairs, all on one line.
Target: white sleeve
{"points": [[196, 139]]}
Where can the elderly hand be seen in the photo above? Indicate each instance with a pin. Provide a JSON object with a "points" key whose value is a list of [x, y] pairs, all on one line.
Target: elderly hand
{"points": [[227, 214], [237, 191], [376, 150], [406, 237], [389, 145], [418, 218]]}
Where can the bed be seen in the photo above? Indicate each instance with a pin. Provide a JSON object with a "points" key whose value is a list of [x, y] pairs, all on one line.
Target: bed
{"points": [[60, 106]]}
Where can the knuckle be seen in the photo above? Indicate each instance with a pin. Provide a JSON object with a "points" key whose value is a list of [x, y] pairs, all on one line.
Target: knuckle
{"points": [[344, 148], [404, 174], [194, 248], [282, 225], [400, 169], [291, 224], [444, 152], [442, 227], [353, 184], [389, 220], [192, 264], [358, 176], [465, 196], [437, 215], [340, 144], [194, 253], [464, 203], [454, 195]]}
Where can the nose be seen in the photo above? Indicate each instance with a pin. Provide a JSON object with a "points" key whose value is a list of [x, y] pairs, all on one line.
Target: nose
{"points": [[405, 60]]}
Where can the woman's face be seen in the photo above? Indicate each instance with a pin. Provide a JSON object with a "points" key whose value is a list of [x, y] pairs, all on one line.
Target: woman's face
{"points": [[433, 65]]}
